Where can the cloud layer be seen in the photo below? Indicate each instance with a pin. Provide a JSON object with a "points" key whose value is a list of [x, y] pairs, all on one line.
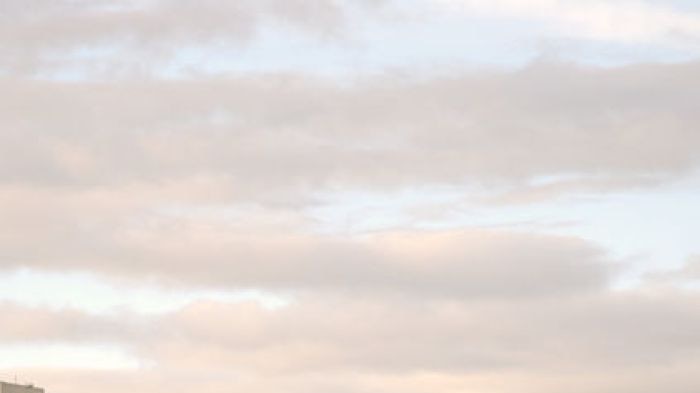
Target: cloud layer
{"points": [[627, 21], [116, 165], [271, 134], [603, 342]]}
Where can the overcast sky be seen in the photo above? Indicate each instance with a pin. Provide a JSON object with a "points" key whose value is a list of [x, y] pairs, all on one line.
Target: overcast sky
{"points": [[350, 196]]}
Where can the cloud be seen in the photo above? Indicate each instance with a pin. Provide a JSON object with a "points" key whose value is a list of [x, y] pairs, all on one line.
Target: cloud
{"points": [[39, 35], [679, 378], [207, 252], [259, 138], [207, 184], [691, 270], [604, 342], [589, 333], [622, 21], [44, 326], [143, 37], [688, 273]]}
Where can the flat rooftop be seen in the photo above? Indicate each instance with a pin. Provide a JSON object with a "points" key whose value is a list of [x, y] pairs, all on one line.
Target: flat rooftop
{"points": [[7, 387]]}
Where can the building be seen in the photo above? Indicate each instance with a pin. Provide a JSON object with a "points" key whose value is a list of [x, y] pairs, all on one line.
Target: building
{"points": [[6, 387]]}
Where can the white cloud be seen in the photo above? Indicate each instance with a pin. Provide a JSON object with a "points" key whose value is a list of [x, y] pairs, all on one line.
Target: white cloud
{"points": [[609, 341], [623, 21], [208, 184], [64, 356]]}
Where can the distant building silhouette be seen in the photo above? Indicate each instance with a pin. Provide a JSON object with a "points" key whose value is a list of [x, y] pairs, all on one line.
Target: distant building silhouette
{"points": [[6, 387]]}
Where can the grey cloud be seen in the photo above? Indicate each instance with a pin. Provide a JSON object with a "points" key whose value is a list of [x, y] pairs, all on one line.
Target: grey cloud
{"points": [[21, 324], [547, 191], [688, 273], [631, 340], [88, 168], [204, 183], [41, 35], [590, 333], [115, 237], [678, 379], [287, 137], [691, 270]]}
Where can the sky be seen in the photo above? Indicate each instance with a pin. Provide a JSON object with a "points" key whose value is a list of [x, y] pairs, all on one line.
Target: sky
{"points": [[335, 196]]}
